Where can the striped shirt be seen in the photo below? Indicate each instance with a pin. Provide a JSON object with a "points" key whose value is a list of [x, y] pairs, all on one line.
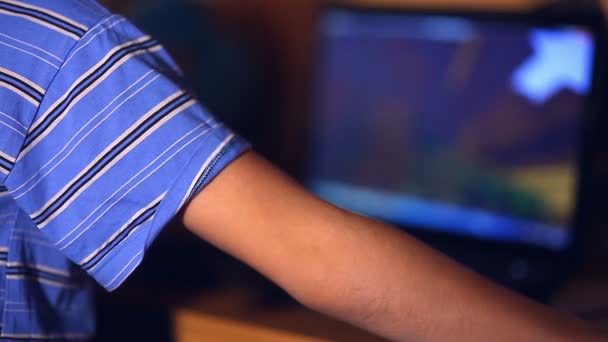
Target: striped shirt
{"points": [[100, 146]]}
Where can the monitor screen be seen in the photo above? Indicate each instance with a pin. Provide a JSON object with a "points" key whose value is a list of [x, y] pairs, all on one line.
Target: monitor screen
{"points": [[451, 124]]}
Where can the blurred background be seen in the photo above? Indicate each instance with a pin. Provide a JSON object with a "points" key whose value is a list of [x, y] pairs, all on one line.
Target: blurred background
{"points": [[278, 73]]}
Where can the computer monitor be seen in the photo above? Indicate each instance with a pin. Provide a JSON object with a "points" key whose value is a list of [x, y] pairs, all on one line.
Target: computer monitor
{"points": [[462, 124]]}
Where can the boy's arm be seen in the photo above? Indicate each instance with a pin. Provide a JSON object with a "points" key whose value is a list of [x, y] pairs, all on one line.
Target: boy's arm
{"points": [[360, 270]]}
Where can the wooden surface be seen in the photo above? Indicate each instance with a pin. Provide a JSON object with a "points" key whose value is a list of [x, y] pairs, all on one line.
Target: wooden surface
{"points": [[237, 314], [194, 326], [234, 315]]}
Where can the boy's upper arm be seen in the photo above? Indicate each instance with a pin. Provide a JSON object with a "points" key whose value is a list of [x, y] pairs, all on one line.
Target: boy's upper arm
{"points": [[115, 150], [259, 215]]}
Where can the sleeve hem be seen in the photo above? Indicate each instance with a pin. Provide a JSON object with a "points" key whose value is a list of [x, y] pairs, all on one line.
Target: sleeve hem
{"points": [[200, 170]]}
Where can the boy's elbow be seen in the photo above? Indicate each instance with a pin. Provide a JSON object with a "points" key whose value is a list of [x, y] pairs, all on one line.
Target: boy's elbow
{"points": [[341, 298]]}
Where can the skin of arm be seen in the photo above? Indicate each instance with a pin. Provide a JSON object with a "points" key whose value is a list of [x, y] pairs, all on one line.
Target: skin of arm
{"points": [[360, 270]]}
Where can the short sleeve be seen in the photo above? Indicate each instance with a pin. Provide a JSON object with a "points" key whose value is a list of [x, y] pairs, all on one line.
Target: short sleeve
{"points": [[116, 148]]}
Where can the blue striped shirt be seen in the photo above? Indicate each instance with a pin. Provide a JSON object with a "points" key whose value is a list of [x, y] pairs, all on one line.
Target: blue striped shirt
{"points": [[100, 146]]}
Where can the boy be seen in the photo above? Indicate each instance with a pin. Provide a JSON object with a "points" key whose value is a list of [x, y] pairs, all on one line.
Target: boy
{"points": [[100, 147]]}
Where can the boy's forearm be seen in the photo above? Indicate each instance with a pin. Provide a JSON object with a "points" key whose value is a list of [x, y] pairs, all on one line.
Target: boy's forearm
{"points": [[357, 269], [399, 288]]}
